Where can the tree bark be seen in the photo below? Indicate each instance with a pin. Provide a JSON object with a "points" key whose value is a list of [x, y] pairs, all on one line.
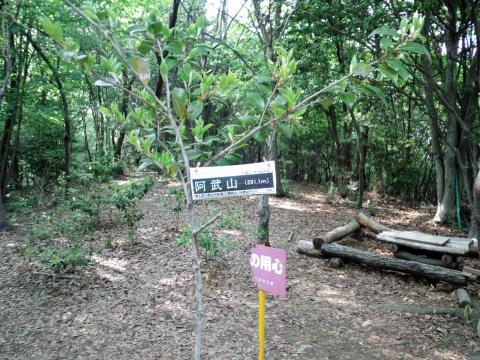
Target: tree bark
{"points": [[410, 267], [370, 224], [172, 21], [305, 247], [336, 234], [3, 220], [425, 260]]}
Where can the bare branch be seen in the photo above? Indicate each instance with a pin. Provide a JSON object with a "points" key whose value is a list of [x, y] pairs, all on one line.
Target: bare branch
{"points": [[207, 224]]}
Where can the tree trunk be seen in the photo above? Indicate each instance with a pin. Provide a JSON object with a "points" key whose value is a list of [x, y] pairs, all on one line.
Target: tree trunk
{"points": [[172, 21], [3, 220], [475, 229], [263, 213], [67, 137]]}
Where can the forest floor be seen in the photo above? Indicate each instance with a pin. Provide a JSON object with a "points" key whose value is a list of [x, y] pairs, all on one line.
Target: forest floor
{"points": [[137, 301]]}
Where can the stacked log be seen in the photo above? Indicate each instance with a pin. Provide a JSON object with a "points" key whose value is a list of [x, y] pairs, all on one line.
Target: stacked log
{"points": [[410, 267]]}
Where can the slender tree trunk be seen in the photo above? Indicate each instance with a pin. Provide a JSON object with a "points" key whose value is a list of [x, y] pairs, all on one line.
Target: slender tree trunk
{"points": [[362, 138], [172, 21], [3, 220], [446, 209], [13, 100], [67, 137]]}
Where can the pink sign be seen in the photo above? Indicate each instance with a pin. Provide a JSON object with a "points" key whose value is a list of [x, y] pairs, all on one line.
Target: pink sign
{"points": [[269, 267]]}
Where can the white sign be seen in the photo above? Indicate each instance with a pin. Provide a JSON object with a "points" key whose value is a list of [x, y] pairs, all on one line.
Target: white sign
{"points": [[234, 180]]}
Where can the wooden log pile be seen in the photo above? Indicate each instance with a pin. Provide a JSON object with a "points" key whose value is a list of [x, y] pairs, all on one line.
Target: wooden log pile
{"points": [[424, 255]]}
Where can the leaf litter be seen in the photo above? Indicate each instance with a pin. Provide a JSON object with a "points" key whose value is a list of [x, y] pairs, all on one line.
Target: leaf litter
{"points": [[137, 302]]}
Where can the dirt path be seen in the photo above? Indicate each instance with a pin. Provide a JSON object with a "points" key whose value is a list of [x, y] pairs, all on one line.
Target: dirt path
{"points": [[137, 302]]}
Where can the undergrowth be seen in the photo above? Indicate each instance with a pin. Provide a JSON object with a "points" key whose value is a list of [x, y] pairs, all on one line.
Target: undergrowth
{"points": [[60, 237]]}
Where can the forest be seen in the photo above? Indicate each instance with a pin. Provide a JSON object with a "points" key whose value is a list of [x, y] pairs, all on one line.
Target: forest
{"points": [[369, 111]]}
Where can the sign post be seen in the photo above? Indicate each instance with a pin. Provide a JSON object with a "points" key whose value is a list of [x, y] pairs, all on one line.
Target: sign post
{"points": [[261, 324], [268, 266]]}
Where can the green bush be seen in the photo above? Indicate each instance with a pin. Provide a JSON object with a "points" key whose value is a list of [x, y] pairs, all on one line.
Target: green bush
{"points": [[125, 198], [60, 259], [212, 244]]}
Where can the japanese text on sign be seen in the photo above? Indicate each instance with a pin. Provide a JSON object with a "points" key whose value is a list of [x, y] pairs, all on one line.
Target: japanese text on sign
{"points": [[268, 266], [236, 180]]}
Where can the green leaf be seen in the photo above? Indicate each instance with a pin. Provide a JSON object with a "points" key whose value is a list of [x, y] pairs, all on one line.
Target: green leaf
{"points": [[386, 43], [400, 68], [263, 78], [53, 29], [389, 72], [105, 111], [361, 69], [90, 13], [373, 90], [201, 21], [179, 99], [175, 47], [104, 83], [286, 129], [145, 47], [326, 103], [415, 48], [227, 80], [142, 69], [256, 100], [260, 136], [164, 70], [86, 61], [158, 28], [185, 72], [385, 31], [348, 98], [194, 110], [136, 28]]}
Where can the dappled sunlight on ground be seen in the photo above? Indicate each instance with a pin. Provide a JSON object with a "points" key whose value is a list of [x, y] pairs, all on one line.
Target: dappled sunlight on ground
{"points": [[111, 262], [137, 301]]}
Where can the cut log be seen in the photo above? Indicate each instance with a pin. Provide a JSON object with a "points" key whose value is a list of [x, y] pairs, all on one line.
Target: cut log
{"points": [[305, 247], [418, 237], [405, 266], [455, 246], [424, 260], [370, 224], [463, 298], [336, 234], [472, 271]]}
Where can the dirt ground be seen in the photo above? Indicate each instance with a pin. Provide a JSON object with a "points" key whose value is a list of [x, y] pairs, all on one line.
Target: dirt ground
{"points": [[136, 302]]}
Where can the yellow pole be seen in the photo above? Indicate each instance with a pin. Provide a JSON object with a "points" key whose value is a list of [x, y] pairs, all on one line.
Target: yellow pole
{"points": [[261, 325]]}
